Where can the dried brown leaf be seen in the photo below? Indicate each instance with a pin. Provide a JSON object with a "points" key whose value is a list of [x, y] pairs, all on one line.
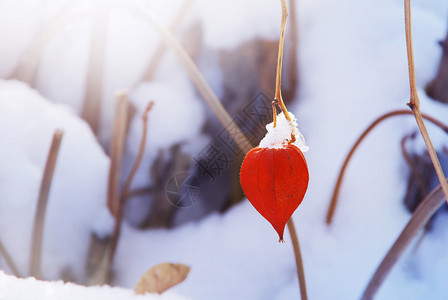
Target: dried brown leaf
{"points": [[161, 277]]}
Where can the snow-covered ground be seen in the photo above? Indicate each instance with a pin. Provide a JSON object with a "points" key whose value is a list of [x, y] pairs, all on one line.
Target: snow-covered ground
{"points": [[352, 67], [32, 289]]}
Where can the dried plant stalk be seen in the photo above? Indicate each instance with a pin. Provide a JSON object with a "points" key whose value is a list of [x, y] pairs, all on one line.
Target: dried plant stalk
{"points": [[116, 152], [298, 257], [414, 102], [39, 219], [421, 216], [9, 261], [278, 78], [91, 108], [128, 183], [141, 151], [335, 196]]}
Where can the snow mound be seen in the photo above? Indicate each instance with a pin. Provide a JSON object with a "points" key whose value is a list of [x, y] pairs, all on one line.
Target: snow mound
{"points": [[78, 191], [13, 288]]}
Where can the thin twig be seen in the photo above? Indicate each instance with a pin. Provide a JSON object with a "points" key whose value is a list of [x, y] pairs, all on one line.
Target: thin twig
{"points": [[418, 220], [140, 154], [157, 56], [334, 198], [298, 257], [274, 113], [9, 261], [127, 185], [278, 77], [114, 199], [116, 151], [39, 219], [414, 102]]}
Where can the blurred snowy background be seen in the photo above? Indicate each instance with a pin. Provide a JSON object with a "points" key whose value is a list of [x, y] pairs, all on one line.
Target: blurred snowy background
{"points": [[61, 64]]}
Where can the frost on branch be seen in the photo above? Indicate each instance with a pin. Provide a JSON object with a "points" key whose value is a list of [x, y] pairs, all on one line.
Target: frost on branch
{"points": [[278, 136]]}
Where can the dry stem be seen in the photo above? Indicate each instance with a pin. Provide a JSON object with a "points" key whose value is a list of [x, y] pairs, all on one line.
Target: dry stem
{"points": [[141, 151], [298, 257], [127, 186], [39, 219], [414, 103], [334, 198], [418, 220], [9, 261], [278, 78], [116, 152], [274, 113]]}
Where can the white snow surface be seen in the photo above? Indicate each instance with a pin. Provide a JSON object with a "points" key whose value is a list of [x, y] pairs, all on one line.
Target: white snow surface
{"points": [[12, 288], [277, 137], [78, 191]]}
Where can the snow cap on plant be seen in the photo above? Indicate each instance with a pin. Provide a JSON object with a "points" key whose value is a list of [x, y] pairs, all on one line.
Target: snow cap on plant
{"points": [[280, 135]]}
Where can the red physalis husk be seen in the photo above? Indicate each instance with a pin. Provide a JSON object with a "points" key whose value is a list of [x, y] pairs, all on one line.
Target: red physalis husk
{"points": [[275, 182]]}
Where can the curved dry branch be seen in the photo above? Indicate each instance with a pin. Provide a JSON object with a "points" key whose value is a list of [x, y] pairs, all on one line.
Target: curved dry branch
{"points": [[418, 220], [334, 198]]}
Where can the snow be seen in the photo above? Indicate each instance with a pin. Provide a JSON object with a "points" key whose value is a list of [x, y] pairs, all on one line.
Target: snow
{"points": [[23, 17], [228, 24], [12, 288], [353, 68], [277, 137]]}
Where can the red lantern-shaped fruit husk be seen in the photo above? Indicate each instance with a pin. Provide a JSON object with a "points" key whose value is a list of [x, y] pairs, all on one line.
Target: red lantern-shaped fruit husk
{"points": [[275, 182]]}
